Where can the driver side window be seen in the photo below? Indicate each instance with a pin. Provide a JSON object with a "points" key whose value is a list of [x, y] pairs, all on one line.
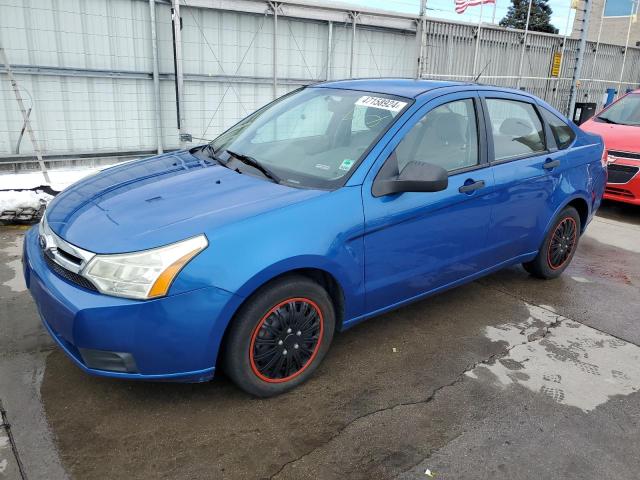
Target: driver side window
{"points": [[446, 136]]}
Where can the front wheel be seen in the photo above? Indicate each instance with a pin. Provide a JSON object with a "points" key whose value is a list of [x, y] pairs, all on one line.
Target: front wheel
{"points": [[279, 337], [558, 247]]}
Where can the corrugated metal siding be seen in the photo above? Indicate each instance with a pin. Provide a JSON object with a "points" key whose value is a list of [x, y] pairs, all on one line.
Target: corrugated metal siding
{"points": [[103, 100]]}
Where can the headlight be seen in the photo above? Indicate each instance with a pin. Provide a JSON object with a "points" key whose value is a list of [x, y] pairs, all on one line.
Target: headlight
{"points": [[142, 275]]}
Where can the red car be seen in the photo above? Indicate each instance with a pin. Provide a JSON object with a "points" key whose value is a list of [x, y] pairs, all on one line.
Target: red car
{"points": [[619, 126]]}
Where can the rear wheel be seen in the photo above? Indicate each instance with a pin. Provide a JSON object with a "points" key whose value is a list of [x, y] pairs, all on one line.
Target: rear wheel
{"points": [[558, 247], [280, 336]]}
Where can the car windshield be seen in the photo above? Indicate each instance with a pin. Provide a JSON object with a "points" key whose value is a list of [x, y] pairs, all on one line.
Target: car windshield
{"points": [[312, 138], [626, 111]]}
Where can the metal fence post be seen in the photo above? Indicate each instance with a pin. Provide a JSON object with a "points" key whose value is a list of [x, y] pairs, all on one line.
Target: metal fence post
{"points": [[25, 117], [421, 37], [177, 65], [274, 7], [577, 71], [329, 50], [354, 19], [156, 77]]}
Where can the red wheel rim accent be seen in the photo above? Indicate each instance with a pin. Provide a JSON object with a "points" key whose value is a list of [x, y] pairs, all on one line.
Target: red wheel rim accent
{"points": [[274, 335], [562, 243]]}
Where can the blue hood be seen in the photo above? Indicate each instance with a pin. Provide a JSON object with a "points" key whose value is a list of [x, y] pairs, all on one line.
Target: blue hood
{"points": [[159, 200]]}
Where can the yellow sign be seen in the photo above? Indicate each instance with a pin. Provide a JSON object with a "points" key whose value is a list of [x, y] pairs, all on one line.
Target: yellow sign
{"points": [[557, 63]]}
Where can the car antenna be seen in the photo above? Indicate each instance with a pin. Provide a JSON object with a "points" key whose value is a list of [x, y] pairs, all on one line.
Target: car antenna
{"points": [[475, 80]]}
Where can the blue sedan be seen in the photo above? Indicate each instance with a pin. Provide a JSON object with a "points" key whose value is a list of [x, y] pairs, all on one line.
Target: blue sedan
{"points": [[334, 203]]}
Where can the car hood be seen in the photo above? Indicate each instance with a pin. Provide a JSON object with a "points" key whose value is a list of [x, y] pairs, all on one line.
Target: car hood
{"points": [[616, 137], [160, 200]]}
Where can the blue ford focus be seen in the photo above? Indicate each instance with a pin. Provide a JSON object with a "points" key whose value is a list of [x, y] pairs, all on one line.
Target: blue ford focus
{"points": [[330, 205]]}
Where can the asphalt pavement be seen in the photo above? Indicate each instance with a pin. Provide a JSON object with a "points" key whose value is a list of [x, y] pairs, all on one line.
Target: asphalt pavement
{"points": [[508, 377]]}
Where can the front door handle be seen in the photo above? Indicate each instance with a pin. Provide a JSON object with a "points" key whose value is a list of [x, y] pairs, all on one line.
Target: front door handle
{"points": [[549, 164], [471, 187]]}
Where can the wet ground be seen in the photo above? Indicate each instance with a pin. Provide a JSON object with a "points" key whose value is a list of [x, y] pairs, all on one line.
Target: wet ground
{"points": [[508, 377]]}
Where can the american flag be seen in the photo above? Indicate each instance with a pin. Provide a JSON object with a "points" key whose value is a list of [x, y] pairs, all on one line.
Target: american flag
{"points": [[462, 5]]}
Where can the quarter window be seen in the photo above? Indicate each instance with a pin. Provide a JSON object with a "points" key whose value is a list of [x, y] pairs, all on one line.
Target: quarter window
{"points": [[562, 132], [446, 136], [516, 127]]}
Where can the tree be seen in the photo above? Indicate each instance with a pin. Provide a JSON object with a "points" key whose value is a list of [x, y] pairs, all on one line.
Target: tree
{"points": [[540, 20]]}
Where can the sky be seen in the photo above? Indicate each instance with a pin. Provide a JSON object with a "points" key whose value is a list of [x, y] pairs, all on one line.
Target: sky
{"points": [[444, 9]]}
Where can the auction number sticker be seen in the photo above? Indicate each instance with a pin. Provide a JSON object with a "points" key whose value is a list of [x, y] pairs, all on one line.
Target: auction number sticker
{"points": [[383, 103]]}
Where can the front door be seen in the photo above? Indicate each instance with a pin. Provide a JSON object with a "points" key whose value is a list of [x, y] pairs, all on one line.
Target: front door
{"points": [[419, 242]]}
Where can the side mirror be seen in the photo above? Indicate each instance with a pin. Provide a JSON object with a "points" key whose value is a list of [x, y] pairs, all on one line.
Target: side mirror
{"points": [[414, 177]]}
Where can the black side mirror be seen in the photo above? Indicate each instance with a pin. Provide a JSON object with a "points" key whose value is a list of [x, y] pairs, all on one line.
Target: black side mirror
{"points": [[414, 177]]}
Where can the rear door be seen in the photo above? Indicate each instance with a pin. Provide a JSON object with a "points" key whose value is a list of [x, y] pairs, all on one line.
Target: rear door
{"points": [[527, 169], [416, 242]]}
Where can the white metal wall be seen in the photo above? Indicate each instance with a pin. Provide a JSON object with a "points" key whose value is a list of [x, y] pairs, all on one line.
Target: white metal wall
{"points": [[85, 66]]}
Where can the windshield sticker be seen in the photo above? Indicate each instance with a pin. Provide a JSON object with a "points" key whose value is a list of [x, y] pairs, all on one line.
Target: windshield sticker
{"points": [[346, 164], [322, 167], [383, 103]]}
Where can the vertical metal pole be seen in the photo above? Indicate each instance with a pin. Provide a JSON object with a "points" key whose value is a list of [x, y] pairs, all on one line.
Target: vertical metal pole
{"points": [[274, 6], [329, 50], [564, 45], [626, 47], [577, 71], [493, 17], [524, 44], [421, 35], [177, 65], [156, 77], [595, 56], [478, 33], [354, 17], [25, 116]]}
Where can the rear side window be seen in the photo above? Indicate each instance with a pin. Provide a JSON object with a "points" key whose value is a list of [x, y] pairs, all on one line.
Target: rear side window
{"points": [[516, 128], [562, 132]]}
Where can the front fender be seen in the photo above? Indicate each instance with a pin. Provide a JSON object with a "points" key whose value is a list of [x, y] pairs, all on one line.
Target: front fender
{"points": [[324, 233]]}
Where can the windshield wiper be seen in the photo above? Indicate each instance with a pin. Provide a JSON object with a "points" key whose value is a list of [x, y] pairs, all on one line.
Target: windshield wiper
{"points": [[252, 162], [212, 154], [608, 120]]}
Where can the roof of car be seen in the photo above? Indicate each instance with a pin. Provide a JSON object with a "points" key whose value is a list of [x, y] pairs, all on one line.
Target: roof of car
{"points": [[404, 87]]}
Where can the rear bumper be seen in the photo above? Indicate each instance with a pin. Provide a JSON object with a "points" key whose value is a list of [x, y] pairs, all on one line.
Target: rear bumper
{"points": [[175, 338]]}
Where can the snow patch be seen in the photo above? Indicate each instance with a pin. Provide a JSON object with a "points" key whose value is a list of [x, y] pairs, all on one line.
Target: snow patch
{"points": [[20, 199], [60, 179]]}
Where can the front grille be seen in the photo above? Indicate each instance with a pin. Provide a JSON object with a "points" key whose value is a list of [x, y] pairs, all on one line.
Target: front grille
{"points": [[621, 192], [620, 173], [619, 154], [68, 275]]}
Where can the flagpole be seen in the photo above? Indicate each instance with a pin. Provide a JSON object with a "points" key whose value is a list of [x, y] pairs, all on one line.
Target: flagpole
{"points": [[493, 18], [475, 55], [524, 44]]}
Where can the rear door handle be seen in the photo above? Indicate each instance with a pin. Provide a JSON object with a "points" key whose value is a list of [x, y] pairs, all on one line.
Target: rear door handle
{"points": [[470, 187], [549, 164]]}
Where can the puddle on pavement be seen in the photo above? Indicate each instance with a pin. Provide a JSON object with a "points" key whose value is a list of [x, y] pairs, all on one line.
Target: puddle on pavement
{"points": [[573, 364], [13, 250]]}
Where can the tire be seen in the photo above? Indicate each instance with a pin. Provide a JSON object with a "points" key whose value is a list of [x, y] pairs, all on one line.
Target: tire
{"points": [[265, 354], [559, 246]]}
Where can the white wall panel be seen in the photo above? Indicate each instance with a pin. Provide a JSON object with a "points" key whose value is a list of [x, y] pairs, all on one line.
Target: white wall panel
{"points": [[85, 66]]}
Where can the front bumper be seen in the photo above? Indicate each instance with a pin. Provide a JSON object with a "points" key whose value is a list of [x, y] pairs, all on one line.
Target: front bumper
{"points": [[627, 191], [174, 338]]}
